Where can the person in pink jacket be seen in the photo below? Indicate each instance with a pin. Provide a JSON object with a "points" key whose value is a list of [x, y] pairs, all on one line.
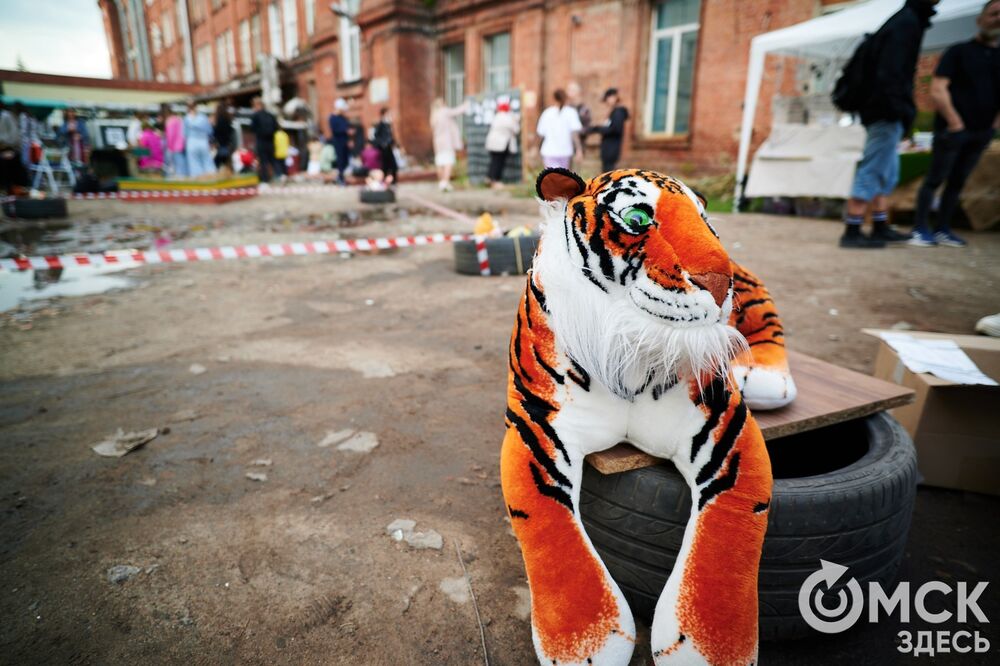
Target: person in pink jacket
{"points": [[174, 129], [150, 140]]}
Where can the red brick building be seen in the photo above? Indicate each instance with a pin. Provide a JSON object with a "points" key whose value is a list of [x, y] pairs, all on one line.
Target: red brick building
{"points": [[680, 64]]}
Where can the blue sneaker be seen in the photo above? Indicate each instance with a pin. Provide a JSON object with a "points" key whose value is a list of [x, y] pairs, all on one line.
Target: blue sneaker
{"points": [[922, 238], [949, 239]]}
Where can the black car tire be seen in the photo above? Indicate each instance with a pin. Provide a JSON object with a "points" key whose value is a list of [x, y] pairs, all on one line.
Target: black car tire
{"points": [[844, 493], [504, 258], [33, 209]]}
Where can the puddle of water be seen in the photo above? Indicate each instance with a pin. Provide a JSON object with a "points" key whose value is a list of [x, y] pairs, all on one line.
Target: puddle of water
{"points": [[26, 286]]}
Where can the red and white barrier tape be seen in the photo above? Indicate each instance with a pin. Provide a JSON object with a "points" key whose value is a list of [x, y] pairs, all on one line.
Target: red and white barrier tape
{"points": [[165, 194], [226, 252], [482, 256]]}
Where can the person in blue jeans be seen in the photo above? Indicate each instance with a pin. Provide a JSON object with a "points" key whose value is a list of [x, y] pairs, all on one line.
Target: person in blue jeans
{"points": [[197, 142], [887, 116], [966, 91]]}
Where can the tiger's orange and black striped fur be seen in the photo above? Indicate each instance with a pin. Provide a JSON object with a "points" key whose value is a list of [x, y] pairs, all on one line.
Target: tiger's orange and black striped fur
{"points": [[636, 244]]}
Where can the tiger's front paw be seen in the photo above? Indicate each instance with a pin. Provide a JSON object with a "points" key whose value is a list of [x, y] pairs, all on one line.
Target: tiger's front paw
{"points": [[765, 388], [615, 650]]}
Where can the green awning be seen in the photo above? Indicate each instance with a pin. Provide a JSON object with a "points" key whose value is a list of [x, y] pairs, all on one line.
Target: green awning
{"points": [[54, 95]]}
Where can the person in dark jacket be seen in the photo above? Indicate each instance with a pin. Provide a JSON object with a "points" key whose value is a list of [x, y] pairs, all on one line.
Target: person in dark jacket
{"points": [[384, 140], [887, 115], [612, 131], [966, 91], [224, 137], [263, 124], [340, 135]]}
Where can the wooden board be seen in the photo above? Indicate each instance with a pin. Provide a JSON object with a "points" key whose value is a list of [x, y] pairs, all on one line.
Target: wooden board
{"points": [[828, 394]]}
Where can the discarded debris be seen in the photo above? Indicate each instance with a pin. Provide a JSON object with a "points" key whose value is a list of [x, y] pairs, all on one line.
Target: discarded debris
{"points": [[335, 437], [123, 442], [183, 415], [256, 476], [360, 442], [120, 573], [401, 529], [261, 462], [197, 369]]}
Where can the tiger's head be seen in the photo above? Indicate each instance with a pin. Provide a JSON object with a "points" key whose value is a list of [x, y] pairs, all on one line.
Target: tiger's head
{"points": [[638, 286]]}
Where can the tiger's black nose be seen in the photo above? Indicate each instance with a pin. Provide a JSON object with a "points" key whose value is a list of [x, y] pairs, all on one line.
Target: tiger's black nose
{"points": [[716, 284]]}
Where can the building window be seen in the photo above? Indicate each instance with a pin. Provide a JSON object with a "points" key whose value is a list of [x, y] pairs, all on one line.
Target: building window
{"points": [[291, 16], [310, 7], [496, 62], [168, 30], [222, 62], [230, 52], [206, 74], [454, 74], [246, 54], [255, 40], [671, 66], [274, 29], [154, 31], [350, 42]]}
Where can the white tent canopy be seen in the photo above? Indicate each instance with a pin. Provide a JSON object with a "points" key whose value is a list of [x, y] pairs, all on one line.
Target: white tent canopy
{"points": [[834, 37]]}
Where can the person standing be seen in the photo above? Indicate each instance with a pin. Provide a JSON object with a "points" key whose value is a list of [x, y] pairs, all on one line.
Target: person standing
{"points": [[966, 92], [384, 140], [224, 136], [173, 129], [28, 127], [559, 128], [151, 140], [197, 142], [263, 124], [887, 115], [12, 172], [612, 131], [75, 137], [340, 136], [447, 139], [501, 141]]}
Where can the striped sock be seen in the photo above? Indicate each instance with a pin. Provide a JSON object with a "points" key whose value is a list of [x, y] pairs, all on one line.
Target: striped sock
{"points": [[880, 217]]}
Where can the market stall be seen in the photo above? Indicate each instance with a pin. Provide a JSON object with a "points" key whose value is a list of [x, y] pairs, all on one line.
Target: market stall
{"points": [[831, 39]]}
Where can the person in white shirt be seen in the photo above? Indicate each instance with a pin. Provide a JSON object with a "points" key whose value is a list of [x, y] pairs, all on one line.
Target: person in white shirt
{"points": [[559, 128]]}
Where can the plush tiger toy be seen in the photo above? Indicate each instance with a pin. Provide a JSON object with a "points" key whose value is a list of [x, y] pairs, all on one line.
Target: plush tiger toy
{"points": [[626, 331]]}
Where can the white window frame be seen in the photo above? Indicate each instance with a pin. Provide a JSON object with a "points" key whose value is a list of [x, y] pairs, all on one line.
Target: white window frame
{"points": [[231, 53], [290, 24], [452, 77], [221, 60], [676, 32], [350, 43], [310, 16], [246, 49], [490, 67], [274, 29], [256, 45], [206, 71], [157, 38], [168, 30]]}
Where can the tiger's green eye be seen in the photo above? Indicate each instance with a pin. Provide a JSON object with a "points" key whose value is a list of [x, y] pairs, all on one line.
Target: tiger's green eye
{"points": [[637, 217]]}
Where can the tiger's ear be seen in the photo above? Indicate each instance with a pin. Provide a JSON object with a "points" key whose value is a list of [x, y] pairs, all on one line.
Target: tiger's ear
{"points": [[558, 183], [700, 197]]}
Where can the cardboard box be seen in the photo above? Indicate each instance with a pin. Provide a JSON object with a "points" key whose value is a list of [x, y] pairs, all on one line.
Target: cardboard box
{"points": [[955, 427]]}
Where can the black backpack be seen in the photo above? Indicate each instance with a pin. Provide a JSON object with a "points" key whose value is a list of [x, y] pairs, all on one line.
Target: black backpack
{"points": [[854, 87]]}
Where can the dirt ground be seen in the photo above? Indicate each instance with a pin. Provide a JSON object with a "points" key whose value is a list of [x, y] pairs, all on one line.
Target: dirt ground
{"points": [[280, 360]]}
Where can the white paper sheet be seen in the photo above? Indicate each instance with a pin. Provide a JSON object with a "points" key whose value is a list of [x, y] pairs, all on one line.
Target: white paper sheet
{"points": [[942, 358]]}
